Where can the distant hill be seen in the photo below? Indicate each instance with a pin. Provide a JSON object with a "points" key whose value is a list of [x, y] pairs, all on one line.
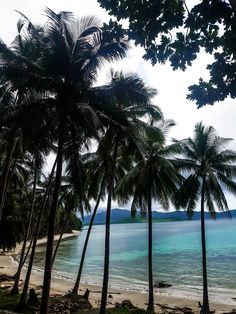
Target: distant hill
{"points": [[123, 216]]}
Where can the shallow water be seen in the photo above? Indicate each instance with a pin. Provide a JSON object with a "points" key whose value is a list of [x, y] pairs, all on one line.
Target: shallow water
{"points": [[176, 257]]}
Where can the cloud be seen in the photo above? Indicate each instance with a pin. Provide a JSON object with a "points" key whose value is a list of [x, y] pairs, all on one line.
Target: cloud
{"points": [[172, 85]]}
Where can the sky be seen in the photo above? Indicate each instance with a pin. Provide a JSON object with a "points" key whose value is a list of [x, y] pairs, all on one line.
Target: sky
{"points": [[172, 86]]}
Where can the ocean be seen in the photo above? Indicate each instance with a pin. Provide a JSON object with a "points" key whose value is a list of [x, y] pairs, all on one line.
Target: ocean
{"points": [[176, 258]]}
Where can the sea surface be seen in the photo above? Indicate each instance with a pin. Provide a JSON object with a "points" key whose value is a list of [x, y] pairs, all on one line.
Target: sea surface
{"points": [[176, 257]]}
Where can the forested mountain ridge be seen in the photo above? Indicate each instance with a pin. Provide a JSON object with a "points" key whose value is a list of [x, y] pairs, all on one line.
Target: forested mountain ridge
{"points": [[123, 216]]}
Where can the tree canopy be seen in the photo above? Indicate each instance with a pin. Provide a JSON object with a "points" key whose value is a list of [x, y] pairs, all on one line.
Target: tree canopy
{"points": [[176, 30]]}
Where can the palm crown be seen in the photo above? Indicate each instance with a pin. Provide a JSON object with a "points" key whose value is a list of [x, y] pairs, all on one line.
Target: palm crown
{"points": [[206, 159]]}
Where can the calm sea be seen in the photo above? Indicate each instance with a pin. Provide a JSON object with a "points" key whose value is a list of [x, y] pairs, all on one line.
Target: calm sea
{"points": [[176, 257]]}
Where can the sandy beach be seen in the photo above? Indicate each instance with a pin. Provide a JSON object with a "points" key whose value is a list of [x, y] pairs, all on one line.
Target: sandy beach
{"points": [[139, 299]]}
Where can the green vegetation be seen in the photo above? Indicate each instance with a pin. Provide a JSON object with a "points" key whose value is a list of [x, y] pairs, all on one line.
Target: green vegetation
{"points": [[10, 302], [144, 220], [7, 301]]}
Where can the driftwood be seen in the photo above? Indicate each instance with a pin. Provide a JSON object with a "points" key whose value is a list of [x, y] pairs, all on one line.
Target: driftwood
{"points": [[126, 304]]}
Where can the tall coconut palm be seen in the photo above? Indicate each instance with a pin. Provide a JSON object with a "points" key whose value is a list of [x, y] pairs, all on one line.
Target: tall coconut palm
{"points": [[153, 177], [132, 99], [121, 142], [75, 51], [210, 169]]}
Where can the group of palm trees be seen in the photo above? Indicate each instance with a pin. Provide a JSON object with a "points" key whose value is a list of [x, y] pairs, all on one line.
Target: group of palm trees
{"points": [[50, 102]]}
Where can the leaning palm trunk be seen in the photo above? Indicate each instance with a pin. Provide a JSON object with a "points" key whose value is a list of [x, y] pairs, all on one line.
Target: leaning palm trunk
{"points": [[28, 250], [6, 169], [107, 251], [107, 234], [15, 288], [25, 257], [205, 305], [51, 226], [77, 283], [61, 235], [36, 234], [150, 270]]}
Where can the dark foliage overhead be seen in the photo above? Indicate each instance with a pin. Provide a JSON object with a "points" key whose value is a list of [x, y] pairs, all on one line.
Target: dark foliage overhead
{"points": [[170, 30]]}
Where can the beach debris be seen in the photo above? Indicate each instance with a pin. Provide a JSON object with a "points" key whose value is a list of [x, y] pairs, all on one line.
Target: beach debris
{"points": [[201, 308], [86, 294], [110, 296], [125, 304], [162, 284], [175, 309], [187, 310], [69, 304]]}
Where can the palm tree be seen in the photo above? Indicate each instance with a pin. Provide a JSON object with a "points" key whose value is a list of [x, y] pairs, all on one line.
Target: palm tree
{"points": [[74, 52], [15, 289], [131, 99], [73, 198], [153, 177], [96, 190], [36, 139], [42, 205], [210, 171], [18, 77], [133, 102], [15, 209]]}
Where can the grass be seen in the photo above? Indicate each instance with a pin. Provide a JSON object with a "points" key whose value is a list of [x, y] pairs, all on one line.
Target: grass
{"points": [[10, 302], [7, 301]]}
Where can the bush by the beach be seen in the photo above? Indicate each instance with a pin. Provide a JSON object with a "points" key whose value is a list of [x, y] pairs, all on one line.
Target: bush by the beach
{"points": [[7, 301]]}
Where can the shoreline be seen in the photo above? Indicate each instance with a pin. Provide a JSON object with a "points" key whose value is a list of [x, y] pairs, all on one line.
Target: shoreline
{"points": [[59, 286]]}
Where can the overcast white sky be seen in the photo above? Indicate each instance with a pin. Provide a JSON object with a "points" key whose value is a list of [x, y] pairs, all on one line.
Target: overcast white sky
{"points": [[172, 85]]}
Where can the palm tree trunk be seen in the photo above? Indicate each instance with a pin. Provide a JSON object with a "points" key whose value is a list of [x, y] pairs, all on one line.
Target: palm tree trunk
{"points": [[107, 234], [77, 282], [6, 169], [35, 238], [9, 178], [15, 288], [150, 269], [205, 305], [107, 251], [61, 234], [51, 227], [25, 257], [28, 249]]}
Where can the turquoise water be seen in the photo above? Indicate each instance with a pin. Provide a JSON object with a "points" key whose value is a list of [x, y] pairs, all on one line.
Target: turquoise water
{"points": [[176, 256]]}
